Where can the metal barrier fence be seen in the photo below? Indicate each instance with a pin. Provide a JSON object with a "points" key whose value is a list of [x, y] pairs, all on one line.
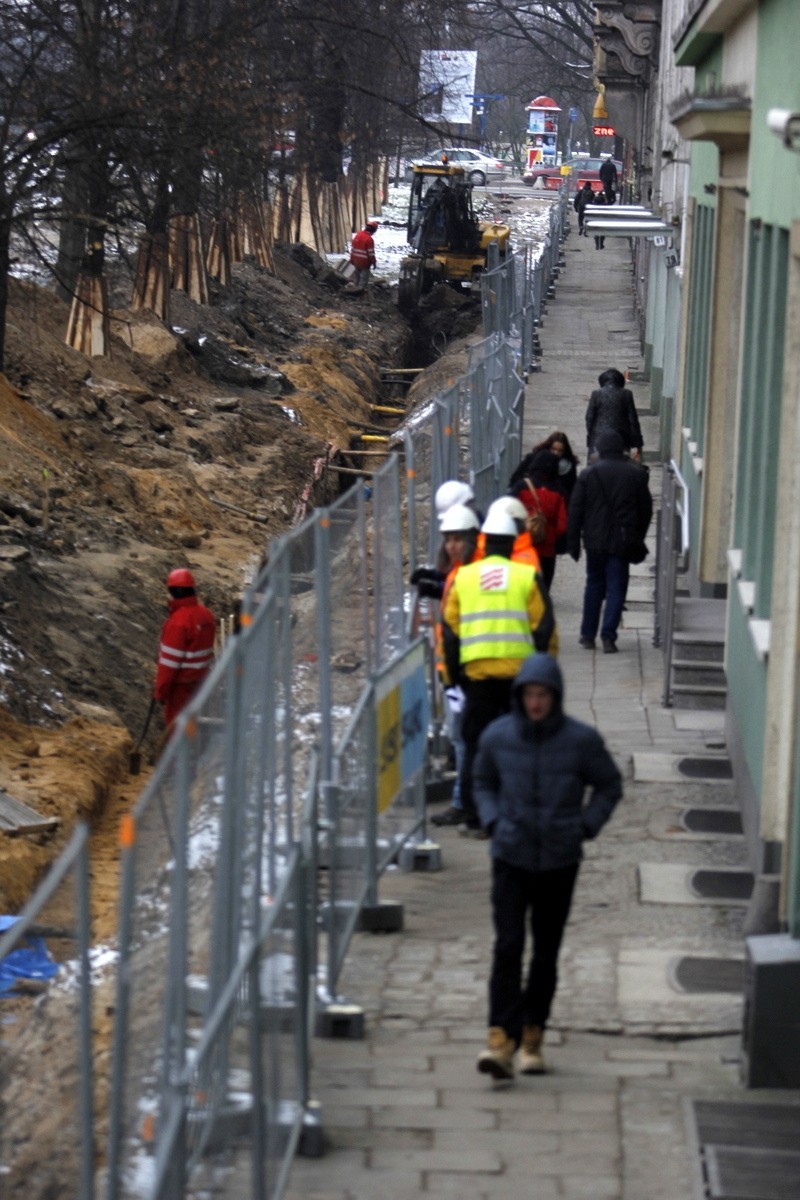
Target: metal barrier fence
{"points": [[291, 781], [46, 1147], [514, 292]]}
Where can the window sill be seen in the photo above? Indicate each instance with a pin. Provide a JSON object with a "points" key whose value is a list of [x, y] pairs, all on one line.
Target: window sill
{"points": [[691, 446], [735, 562], [747, 594], [760, 630]]}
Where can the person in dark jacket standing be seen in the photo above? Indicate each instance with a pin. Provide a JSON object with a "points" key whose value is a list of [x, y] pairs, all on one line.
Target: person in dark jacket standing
{"points": [[608, 178], [600, 198], [611, 508], [583, 196], [531, 774], [611, 406]]}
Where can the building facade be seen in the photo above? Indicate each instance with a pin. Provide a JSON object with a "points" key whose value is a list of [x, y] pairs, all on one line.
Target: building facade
{"points": [[721, 331]]}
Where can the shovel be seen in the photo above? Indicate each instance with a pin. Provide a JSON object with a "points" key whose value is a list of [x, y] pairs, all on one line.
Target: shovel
{"points": [[135, 758]]}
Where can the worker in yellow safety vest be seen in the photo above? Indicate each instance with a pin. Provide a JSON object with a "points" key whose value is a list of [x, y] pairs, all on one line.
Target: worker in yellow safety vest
{"points": [[496, 613]]}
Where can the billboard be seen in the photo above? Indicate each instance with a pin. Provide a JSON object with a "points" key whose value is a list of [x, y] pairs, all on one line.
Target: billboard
{"points": [[447, 85]]}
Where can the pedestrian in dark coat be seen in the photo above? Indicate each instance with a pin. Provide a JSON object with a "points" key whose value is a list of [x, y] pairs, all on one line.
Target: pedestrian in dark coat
{"points": [[600, 238], [611, 509], [532, 771], [611, 406], [608, 178], [583, 196]]}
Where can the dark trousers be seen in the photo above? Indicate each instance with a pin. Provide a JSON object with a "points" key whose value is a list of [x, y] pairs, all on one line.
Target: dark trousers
{"points": [[606, 580], [548, 569], [515, 892], [485, 700]]}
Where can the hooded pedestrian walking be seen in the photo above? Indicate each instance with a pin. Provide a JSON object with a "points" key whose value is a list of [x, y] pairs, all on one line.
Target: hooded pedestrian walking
{"points": [[531, 775], [611, 406]]}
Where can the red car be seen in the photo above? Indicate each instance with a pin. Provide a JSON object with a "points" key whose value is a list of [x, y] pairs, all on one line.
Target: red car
{"points": [[582, 169]]}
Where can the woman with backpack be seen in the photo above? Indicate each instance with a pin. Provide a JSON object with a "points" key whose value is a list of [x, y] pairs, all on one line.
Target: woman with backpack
{"points": [[547, 512]]}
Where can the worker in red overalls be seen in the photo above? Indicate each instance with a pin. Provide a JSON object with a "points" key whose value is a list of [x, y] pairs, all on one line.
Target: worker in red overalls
{"points": [[186, 649], [362, 254]]}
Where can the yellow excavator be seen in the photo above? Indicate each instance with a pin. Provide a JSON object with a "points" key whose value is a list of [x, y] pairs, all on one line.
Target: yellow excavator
{"points": [[448, 242]]}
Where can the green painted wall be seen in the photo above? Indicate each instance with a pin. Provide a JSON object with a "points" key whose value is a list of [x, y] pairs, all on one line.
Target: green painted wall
{"points": [[774, 182], [747, 687], [704, 156]]}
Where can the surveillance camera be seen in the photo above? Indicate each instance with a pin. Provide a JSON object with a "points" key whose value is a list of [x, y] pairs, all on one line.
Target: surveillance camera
{"points": [[785, 124]]}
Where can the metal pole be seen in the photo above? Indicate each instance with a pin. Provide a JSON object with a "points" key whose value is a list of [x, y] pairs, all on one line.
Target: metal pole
{"points": [[127, 842], [411, 503], [371, 776], [85, 1016], [175, 1031], [322, 555]]}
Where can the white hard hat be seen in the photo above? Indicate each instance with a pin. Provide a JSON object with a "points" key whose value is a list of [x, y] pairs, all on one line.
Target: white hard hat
{"points": [[459, 519], [450, 493], [500, 523], [511, 505]]}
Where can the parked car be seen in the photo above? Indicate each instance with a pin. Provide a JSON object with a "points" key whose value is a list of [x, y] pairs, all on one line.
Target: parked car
{"points": [[480, 168], [581, 170]]}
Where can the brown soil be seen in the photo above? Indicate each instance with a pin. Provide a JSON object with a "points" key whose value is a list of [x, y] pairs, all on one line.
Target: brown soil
{"points": [[106, 480]]}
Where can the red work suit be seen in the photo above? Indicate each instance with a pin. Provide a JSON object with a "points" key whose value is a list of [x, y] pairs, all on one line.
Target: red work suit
{"points": [[185, 654], [362, 250]]}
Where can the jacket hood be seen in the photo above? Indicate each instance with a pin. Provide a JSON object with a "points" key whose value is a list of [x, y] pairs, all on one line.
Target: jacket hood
{"points": [[540, 668]]}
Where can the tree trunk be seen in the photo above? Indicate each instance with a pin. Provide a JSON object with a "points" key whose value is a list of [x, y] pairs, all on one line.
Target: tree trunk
{"points": [[151, 282], [72, 232], [5, 254]]}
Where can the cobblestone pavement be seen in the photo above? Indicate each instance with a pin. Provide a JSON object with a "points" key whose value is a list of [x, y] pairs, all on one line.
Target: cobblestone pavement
{"points": [[404, 1111]]}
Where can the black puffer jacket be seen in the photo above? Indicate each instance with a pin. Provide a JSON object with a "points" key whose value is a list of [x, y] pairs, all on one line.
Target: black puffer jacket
{"points": [[530, 778], [612, 407], [611, 493]]}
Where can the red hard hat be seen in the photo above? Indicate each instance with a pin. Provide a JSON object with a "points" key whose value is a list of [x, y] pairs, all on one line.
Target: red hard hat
{"points": [[181, 578]]}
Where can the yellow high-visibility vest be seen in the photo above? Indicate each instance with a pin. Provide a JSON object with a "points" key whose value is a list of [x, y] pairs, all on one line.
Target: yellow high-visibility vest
{"points": [[494, 621]]}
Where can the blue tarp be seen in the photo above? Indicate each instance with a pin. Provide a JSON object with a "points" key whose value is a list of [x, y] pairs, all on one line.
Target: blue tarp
{"points": [[30, 960]]}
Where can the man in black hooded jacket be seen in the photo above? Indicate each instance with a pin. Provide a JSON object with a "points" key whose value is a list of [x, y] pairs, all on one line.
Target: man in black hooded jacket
{"points": [[530, 778], [610, 505], [611, 406]]}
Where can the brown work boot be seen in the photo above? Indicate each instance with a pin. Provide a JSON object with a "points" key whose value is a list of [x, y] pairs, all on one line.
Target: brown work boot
{"points": [[497, 1059], [531, 1061]]}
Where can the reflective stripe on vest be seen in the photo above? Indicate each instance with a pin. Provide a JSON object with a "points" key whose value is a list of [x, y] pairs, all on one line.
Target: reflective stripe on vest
{"points": [[493, 609]]}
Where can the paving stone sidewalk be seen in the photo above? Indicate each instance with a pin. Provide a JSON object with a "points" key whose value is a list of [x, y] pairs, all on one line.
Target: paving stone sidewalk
{"points": [[404, 1111]]}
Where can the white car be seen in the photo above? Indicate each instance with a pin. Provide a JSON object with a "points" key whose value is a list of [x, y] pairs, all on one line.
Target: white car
{"points": [[479, 167]]}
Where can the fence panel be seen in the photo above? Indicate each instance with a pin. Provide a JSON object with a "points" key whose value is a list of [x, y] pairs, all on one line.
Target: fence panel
{"points": [[46, 1136], [213, 890], [350, 835], [388, 585]]}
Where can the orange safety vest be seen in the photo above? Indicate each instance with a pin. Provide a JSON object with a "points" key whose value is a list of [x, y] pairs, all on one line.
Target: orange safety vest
{"points": [[522, 551]]}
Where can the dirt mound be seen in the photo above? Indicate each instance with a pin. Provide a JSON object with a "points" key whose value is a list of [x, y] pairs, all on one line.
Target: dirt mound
{"points": [[111, 474]]}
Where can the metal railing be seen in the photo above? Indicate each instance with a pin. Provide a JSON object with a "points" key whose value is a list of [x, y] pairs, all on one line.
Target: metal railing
{"points": [[291, 781], [671, 557]]}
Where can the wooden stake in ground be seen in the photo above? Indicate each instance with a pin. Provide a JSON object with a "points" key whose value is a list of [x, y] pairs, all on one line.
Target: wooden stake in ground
{"points": [[88, 325], [187, 265]]}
